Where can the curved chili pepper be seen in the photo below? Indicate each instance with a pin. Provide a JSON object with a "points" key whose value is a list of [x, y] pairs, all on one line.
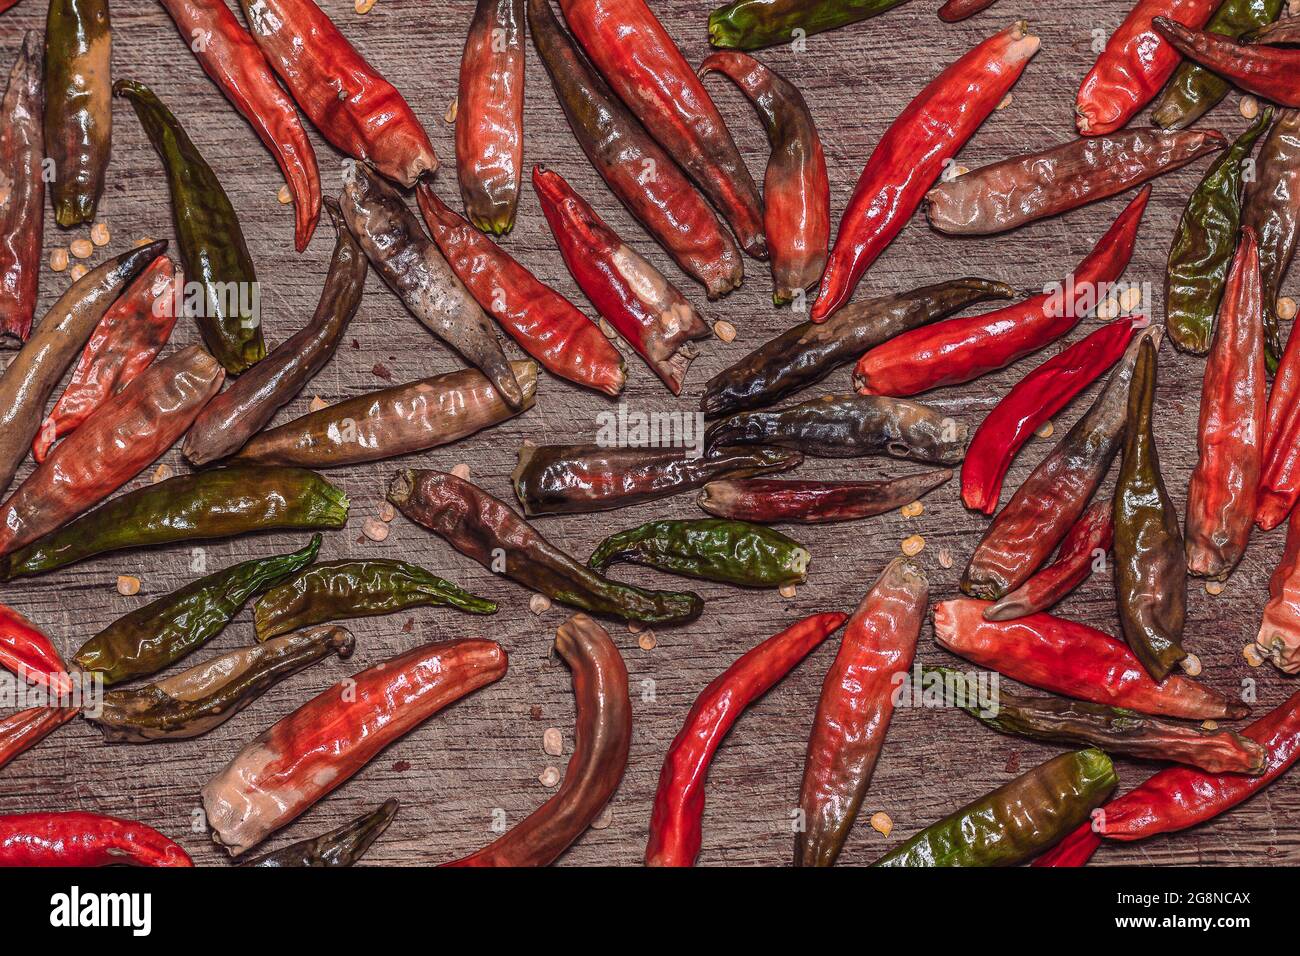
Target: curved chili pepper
{"points": [[959, 350], [341, 846], [954, 11], [854, 710], [337, 590], [601, 741], [752, 24], [796, 192], [1061, 656], [486, 529], [354, 107], [23, 730], [1279, 629], [1033, 400], [733, 552], [1272, 72], [26, 652], [22, 215], [83, 839], [635, 297], [639, 60], [814, 502], [78, 105], [319, 746], [544, 323], [637, 170], [577, 479], [234, 61], [675, 822], [913, 152], [1282, 32]]}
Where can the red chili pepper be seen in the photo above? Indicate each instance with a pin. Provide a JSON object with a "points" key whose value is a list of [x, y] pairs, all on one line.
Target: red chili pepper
{"points": [[1033, 400], [83, 839], [28, 653], [22, 214], [27, 728], [959, 350], [1134, 66], [1279, 629], [675, 831], [1272, 72], [956, 10], [913, 152]]}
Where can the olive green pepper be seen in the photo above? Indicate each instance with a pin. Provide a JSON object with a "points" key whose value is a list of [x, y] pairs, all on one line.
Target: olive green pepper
{"points": [[213, 250], [753, 24], [733, 552], [78, 105], [1018, 820], [338, 590], [339, 847]]}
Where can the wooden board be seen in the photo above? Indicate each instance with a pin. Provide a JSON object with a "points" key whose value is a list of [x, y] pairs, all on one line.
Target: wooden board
{"points": [[484, 754]]}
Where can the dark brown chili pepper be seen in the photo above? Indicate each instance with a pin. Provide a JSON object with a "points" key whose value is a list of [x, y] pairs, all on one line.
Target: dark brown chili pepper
{"points": [[22, 214], [1272, 209], [78, 105], [773, 500], [734, 552], [341, 846]]}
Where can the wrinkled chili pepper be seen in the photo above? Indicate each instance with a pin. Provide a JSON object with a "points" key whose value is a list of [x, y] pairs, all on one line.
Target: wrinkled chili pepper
{"points": [[914, 151], [638, 59], [636, 298], [22, 215], [213, 250], [486, 529], [675, 823], [734, 552], [1018, 820], [205, 696], [854, 710], [341, 846], [24, 729], [1282, 32], [1020, 190], [577, 479], [637, 170], [954, 11], [319, 746], [601, 741], [796, 192], [1272, 72], [210, 504], [1033, 400], [83, 839], [414, 269], [78, 105], [354, 107], [338, 590], [1279, 629], [234, 61], [26, 652], [1073, 659], [752, 24], [958, 350], [159, 634], [775, 500], [393, 421], [544, 323]]}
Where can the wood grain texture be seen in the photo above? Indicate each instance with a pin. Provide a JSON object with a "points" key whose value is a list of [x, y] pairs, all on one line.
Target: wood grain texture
{"points": [[485, 753]]}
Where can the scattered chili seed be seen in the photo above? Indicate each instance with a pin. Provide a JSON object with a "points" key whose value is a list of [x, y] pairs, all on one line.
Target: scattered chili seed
{"points": [[317, 404], [1045, 430], [374, 529], [162, 473], [1249, 107], [77, 271], [142, 241], [1209, 725], [945, 558], [636, 627], [450, 116], [788, 591], [539, 604], [912, 510], [553, 741], [461, 471], [1006, 101], [1130, 299], [1108, 310], [386, 511], [99, 234], [912, 545], [284, 196], [1213, 587], [724, 330], [1191, 665], [606, 328], [363, 6], [59, 259], [1253, 657], [881, 823], [1286, 308], [128, 585], [82, 248], [647, 641], [549, 777], [603, 821]]}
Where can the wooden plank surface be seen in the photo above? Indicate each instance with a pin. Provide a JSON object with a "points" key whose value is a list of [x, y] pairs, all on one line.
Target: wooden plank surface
{"points": [[484, 754]]}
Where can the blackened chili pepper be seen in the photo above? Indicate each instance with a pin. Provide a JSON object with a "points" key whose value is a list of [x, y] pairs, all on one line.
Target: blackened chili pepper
{"points": [[1272, 209], [1272, 72], [775, 500], [954, 11], [734, 552], [675, 823], [341, 846], [1279, 629], [83, 839], [78, 105], [24, 729], [752, 24], [487, 530], [28, 653], [854, 710], [22, 216]]}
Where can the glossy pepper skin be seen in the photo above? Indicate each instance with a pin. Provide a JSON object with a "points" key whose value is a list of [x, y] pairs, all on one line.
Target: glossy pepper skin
{"points": [[954, 11], [636, 298], [1272, 72], [796, 192], [733, 552], [1018, 820], [319, 746], [78, 105], [601, 741], [637, 170], [341, 846], [776, 500], [487, 530], [1279, 628], [958, 350], [27, 653], [753, 24], [338, 590], [83, 839], [157, 635], [213, 250], [910, 156], [854, 710], [24, 729], [676, 832], [638, 59], [22, 217], [210, 504]]}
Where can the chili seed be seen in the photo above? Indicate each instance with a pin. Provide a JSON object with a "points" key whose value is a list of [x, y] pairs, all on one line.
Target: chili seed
{"points": [[82, 248], [1253, 657], [539, 604], [317, 404], [1286, 308], [912, 545], [1209, 725], [284, 196], [636, 627], [1249, 107], [881, 823], [99, 234], [450, 116], [374, 529], [77, 271], [363, 6], [606, 329], [162, 473], [386, 511], [461, 471], [912, 510], [647, 641], [603, 821], [1108, 310], [549, 777], [1130, 299], [142, 241], [945, 558], [1045, 430], [1214, 588], [553, 741], [1191, 665], [128, 585], [724, 330], [788, 590], [59, 259]]}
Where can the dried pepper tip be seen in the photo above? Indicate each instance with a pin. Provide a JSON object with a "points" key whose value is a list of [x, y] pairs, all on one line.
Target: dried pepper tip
{"points": [[340, 847]]}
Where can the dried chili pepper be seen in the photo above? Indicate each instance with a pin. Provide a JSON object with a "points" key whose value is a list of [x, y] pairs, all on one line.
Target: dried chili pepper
{"points": [[341, 846], [639, 60], [78, 105], [774, 500], [24, 729], [854, 710], [1279, 629], [319, 746], [913, 152], [601, 741], [1280, 32], [635, 297], [796, 192], [752, 24], [675, 822], [1272, 209], [1272, 72], [26, 652], [733, 552], [487, 530], [338, 590], [954, 11], [83, 839], [22, 215], [958, 350]]}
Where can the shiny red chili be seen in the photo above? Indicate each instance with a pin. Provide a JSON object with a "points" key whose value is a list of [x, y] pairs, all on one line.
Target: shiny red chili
{"points": [[83, 839], [956, 10], [25, 729], [28, 653]]}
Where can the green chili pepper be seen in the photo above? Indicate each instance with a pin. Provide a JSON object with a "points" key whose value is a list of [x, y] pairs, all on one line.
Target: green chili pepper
{"points": [[345, 589], [78, 105], [210, 504], [162, 632], [339, 847], [1017, 821], [1204, 244], [733, 552], [753, 24], [212, 244]]}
